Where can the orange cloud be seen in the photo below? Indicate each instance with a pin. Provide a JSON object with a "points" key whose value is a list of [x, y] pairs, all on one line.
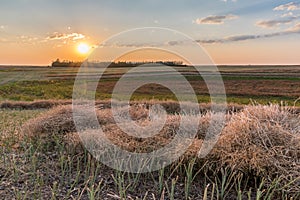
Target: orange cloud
{"points": [[63, 36]]}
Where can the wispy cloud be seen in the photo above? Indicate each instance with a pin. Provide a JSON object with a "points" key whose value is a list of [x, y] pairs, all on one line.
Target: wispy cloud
{"points": [[289, 14], [25, 39], [294, 30], [289, 6], [64, 36], [231, 0], [3, 40], [234, 38], [215, 19], [60, 38], [276, 22], [21, 39]]}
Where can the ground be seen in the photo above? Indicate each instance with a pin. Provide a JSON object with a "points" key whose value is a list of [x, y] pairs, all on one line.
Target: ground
{"points": [[256, 157]]}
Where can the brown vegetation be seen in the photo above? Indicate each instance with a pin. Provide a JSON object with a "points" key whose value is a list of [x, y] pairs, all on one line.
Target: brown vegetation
{"points": [[265, 141], [170, 106], [260, 140]]}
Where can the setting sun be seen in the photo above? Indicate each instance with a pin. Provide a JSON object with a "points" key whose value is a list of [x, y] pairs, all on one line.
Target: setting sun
{"points": [[83, 48]]}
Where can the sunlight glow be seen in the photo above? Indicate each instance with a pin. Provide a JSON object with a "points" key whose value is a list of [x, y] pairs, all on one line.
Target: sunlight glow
{"points": [[83, 48]]}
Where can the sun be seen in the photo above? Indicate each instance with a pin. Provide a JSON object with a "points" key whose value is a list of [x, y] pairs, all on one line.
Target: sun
{"points": [[83, 48]]}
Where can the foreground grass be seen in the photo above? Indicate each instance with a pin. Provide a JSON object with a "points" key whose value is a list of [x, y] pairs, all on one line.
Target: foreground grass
{"points": [[11, 122], [51, 168]]}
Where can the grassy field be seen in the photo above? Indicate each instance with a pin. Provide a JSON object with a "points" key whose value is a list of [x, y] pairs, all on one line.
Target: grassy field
{"points": [[262, 84], [256, 157]]}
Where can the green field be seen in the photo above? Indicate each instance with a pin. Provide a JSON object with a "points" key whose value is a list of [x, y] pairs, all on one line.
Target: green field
{"points": [[243, 84]]}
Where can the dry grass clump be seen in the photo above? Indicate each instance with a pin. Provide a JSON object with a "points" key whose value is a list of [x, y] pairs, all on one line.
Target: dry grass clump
{"points": [[58, 122], [259, 140], [264, 140]]}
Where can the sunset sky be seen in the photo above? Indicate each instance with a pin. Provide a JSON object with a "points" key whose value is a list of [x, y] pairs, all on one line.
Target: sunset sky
{"points": [[36, 32]]}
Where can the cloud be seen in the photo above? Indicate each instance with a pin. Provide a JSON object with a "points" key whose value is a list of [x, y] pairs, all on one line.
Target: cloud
{"points": [[234, 38], [25, 39], [276, 22], [63, 36], [22, 39], [215, 19], [237, 38], [132, 45], [287, 14], [231, 0], [3, 40], [295, 29], [289, 7], [35, 39]]}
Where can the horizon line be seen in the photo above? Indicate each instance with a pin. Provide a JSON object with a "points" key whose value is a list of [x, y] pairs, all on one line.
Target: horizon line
{"points": [[49, 65]]}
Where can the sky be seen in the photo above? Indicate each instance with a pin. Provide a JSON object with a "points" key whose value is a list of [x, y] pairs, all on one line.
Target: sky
{"points": [[37, 32]]}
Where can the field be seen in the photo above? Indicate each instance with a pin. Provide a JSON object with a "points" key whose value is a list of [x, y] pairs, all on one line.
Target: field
{"points": [[243, 84], [256, 157]]}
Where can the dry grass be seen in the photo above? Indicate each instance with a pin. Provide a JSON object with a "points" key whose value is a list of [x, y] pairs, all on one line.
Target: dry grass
{"points": [[170, 106], [264, 141], [265, 138], [258, 141], [58, 122], [11, 125]]}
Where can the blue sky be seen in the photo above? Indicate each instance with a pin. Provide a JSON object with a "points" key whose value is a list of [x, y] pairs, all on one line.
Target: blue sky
{"points": [[39, 31]]}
